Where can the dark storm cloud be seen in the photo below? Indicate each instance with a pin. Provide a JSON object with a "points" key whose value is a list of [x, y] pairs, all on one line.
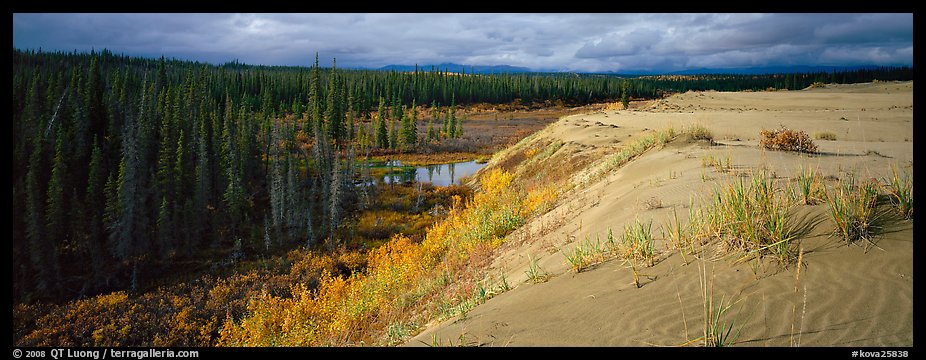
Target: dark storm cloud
{"points": [[583, 42]]}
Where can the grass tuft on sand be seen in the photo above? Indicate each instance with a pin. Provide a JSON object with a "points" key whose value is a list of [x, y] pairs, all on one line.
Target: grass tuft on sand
{"points": [[900, 189], [853, 208]]}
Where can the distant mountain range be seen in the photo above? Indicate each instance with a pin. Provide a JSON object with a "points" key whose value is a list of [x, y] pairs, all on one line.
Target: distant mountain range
{"points": [[457, 68], [500, 69], [757, 70]]}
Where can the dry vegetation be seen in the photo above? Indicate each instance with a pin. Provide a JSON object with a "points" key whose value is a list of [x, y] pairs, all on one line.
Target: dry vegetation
{"points": [[787, 140], [404, 284]]}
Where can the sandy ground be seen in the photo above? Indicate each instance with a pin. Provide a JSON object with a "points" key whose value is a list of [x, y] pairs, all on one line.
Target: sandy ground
{"points": [[845, 295]]}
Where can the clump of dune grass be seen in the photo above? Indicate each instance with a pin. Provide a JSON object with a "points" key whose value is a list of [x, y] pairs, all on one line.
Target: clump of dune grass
{"points": [[853, 206], [584, 254], [677, 236], [720, 164], [535, 273], [787, 140], [438, 342], [717, 332], [810, 186], [699, 132], [824, 135], [900, 189], [709, 160], [750, 217], [637, 243]]}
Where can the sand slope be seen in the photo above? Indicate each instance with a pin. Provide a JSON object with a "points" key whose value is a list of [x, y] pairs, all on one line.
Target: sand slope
{"points": [[846, 295]]}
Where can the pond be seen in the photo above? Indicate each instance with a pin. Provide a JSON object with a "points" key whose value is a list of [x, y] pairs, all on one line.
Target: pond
{"points": [[438, 175]]}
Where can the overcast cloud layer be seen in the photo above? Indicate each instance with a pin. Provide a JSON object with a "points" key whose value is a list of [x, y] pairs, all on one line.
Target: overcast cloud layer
{"points": [[560, 42]]}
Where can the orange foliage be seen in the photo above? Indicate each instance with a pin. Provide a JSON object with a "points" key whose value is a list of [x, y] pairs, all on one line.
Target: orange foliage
{"points": [[352, 309], [185, 314], [787, 140]]}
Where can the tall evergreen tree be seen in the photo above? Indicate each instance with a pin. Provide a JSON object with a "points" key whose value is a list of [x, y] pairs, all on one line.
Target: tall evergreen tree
{"points": [[362, 141], [56, 210], [625, 94], [315, 115], [166, 151], [93, 95], [382, 136], [409, 132], [397, 112], [450, 122], [333, 115], [434, 133], [95, 201], [276, 181], [430, 132], [459, 129], [335, 203], [351, 131], [165, 228], [42, 254], [393, 135]]}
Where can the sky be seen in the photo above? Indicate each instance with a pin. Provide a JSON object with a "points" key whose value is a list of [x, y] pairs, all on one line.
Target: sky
{"points": [[544, 42]]}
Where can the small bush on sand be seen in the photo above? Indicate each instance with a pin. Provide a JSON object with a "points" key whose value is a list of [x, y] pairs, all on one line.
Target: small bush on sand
{"points": [[787, 140]]}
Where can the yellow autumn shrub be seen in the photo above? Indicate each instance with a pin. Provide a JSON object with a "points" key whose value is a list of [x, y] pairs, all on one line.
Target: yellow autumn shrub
{"points": [[356, 308]]}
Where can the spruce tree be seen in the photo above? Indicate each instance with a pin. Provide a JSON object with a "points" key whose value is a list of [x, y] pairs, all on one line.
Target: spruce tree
{"points": [[276, 181], [459, 130], [94, 202], [112, 210], [165, 227], [352, 130], [42, 254], [333, 115], [166, 151], [409, 135], [430, 133], [393, 135], [625, 95], [397, 112], [382, 136], [335, 202], [315, 116], [452, 123], [362, 140], [445, 128], [56, 208], [434, 133], [93, 95]]}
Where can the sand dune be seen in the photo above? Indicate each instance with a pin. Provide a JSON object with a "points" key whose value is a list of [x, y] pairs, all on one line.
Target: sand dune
{"points": [[845, 296]]}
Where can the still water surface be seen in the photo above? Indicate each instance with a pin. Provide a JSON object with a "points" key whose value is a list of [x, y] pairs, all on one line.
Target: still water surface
{"points": [[437, 175]]}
